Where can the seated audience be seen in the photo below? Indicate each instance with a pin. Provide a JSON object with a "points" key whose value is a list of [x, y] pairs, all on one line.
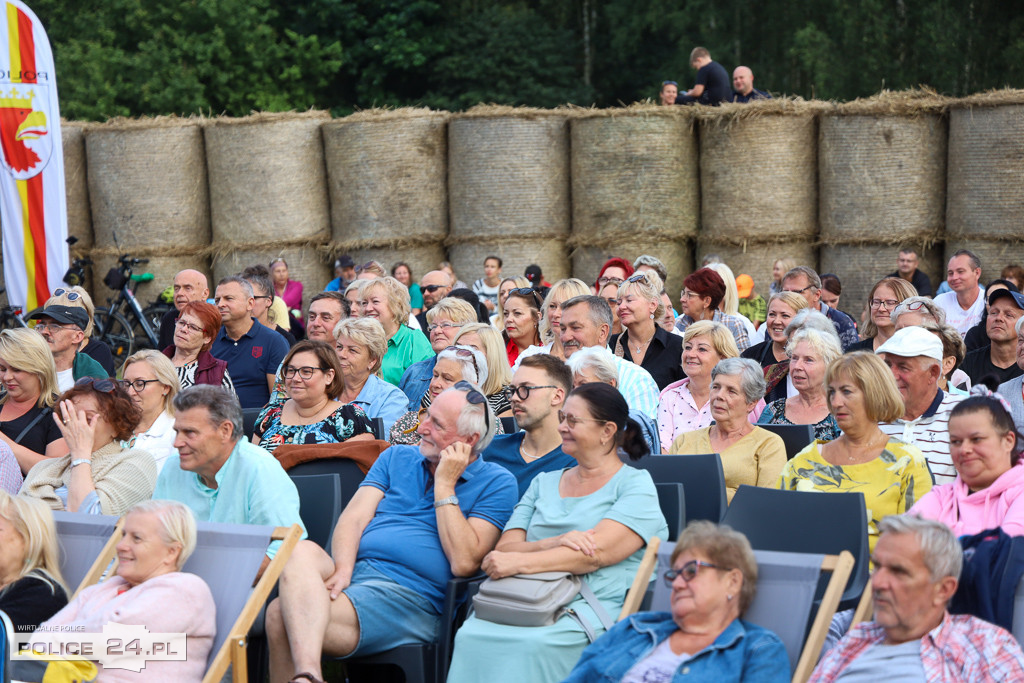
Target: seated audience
{"points": [[804, 281], [779, 269], [912, 637], [668, 94], [907, 270], [703, 637], [506, 286], [915, 310], [703, 291], [326, 310], [387, 300], [668, 321], [891, 474], [403, 273], [188, 285], [360, 346], [344, 274], [421, 516], [964, 303], [435, 286], [31, 586], [63, 327], [593, 519], [151, 381], [354, 297], [647, 262], [29, 379], [610, 293], [1014, 389], [750, 454], [522, 321], [883, 299], [258, 276], [988, 491], [1013, 274], [487, 287], [952, 355], [810, 353], [730, 302], [195, 329], [444, 320], [977, 336], [614, 271], [489, 341], [1002, 325], [831, 289], [771, 353], [289, 290], [550, 332], [642, 341], [743, 89], [95, 348], [99, 475]]}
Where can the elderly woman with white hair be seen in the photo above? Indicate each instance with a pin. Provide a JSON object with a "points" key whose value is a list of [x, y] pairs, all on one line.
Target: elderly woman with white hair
{"points": [[643, 341], [810, 352], [148, 589], [914, 310], [750, 455], [489, 342], [361, 344], [152, 383], [387, 300]]}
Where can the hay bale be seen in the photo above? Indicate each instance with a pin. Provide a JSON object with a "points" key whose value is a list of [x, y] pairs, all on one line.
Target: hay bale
{"points": [[164, 268], [757, 258], [267, 178], [882, 178], [860, 266], [421, 259], [305, 264], [516, 254], [993, 254], [676, 255], [634, 172], [147, 183], [758, 172], [985, 197], [387, 176], [76, 188], [508, 177]]}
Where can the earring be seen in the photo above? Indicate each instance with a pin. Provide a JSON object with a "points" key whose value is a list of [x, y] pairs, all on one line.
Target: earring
{"points": [[729, 597]]}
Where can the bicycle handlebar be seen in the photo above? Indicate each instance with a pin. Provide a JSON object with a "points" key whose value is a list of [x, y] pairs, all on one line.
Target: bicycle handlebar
{"points": [[143, 277]]}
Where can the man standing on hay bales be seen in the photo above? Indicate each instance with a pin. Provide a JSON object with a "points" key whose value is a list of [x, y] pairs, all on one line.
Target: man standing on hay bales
{"points": [[712, 81], [965, 304], [906, 268], [743, 86]]}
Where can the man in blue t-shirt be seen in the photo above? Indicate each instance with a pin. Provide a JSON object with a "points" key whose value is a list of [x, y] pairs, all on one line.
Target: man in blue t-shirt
{"points": [[421, 516], [538, 391], [712, 86]]}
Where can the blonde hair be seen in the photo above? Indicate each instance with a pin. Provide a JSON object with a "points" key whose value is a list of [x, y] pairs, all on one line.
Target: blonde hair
{"points": [[32, 519], [397, 295], [882, 400], [499, 374], [787, 264], [177, 525], [456, 309], [649, 288], [720, 336], [903, 291], [163, 369], [731, 301], [368, 332], [26, 350], [825, 345], [791, 299], [561, 291], [519, 281]]}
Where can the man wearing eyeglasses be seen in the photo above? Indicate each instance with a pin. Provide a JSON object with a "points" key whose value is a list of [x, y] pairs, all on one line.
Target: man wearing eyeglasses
{"points": [[444, 320], [805, 282], [435, 286], [63, 328], [422, 515], [189, 285]]}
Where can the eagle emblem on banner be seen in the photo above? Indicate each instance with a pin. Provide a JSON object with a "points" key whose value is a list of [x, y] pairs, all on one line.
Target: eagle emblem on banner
{"points": [[24, 132]]}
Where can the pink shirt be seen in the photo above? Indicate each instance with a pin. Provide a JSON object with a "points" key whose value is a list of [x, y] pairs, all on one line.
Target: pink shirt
{"points": [[999, 505], [292, 296], [678, 412]]}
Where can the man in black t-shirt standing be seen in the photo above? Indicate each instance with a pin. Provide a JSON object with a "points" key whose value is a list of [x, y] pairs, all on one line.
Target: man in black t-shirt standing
{"points": [[712, 86]]}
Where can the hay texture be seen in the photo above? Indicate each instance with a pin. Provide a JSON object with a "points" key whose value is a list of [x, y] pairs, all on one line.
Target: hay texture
{"points": [[147, 183], [267, 178], [76, 188], [387, 175], [421, 259], [994, 254], [676, 255], [508, 175], [985, 197], [859, 267], [516, 254], [758, 173], [305, 264], [882, 178], [756, 259], [164, 268], [633, 174]]}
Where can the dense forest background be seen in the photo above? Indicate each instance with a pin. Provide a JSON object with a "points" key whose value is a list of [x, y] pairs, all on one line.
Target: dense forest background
{"points": [[138, 57]]}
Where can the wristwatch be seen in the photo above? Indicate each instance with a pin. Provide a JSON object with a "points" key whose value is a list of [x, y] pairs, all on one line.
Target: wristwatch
{"points": [[450, 500]]}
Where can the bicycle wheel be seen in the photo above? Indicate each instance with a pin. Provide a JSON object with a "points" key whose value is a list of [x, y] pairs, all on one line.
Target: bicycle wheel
{"points": [[154, 314], [116, 333]]}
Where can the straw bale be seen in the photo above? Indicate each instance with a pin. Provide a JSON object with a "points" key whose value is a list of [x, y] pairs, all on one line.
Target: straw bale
{"points": [[421, 259], [550, 254], [508, 175], [756, 259], [634, 174], [759, 176], [985, 198], [728, 113], [989, 98], [913, 102], [860, 266], [882, 178], [305, 264], [993, 254], [164, 268], [267, 177], [387, 175], [677, 255], [148, 183], [76, 188]]}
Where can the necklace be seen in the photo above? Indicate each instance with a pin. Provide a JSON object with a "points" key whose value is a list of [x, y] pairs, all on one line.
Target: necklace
{"points": [[641, 345], [868, 447], [526, 455]]}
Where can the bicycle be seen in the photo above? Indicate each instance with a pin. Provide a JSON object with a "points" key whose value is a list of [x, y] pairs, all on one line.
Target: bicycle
{"points": [[112, 322], [10, 315]]}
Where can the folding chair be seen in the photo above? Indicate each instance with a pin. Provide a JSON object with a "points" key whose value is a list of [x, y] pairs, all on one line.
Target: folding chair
{"points": [[508, 424], [249, 416], [348, 473], [672, 499], [6, 638], [702, 478], [796, 437], [319, 505], [86, 546]]}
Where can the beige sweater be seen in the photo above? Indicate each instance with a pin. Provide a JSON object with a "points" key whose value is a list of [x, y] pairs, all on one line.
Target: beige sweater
{"points": [[122, 477]]}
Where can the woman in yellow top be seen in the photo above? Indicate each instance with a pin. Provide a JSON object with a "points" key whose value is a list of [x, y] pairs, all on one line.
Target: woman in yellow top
{"points": [[750, 455], [892, 475]]}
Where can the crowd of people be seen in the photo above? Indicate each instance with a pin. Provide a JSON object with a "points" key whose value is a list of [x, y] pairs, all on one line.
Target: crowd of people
{"points": [[712, 85], [513, 409]]}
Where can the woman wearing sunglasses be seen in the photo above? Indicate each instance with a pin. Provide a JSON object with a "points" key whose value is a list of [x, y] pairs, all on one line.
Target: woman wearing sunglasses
{"points": [[642, 340], [593, 519], [312, 414], [152, 382], [703, 638], [100, 475], [522, 321]]}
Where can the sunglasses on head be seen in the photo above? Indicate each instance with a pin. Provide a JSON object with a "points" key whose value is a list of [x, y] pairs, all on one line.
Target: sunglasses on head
{"points": [[365, 266], [476, 398], [527, 292], [104, 385], [637, 278], [463, 352], [72, 296]]}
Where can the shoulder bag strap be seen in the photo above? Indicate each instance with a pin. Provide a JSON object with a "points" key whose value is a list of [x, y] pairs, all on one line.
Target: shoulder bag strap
{"points": [[43, 413]]}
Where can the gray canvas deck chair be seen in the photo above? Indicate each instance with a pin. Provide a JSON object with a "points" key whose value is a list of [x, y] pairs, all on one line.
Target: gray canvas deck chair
{"points": [[84, 541]]}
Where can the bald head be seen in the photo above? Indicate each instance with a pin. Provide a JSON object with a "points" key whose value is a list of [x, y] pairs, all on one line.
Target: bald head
{"points": [[743, 80], [190, 285], [435, 286]]}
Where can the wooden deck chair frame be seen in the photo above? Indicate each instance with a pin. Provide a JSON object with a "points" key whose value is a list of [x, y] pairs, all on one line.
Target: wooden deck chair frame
{"points": [[103, 560], [233, 650]]}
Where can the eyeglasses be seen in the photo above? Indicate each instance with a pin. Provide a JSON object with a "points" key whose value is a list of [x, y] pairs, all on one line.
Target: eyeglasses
{"points": [[432, 288], [637, 278], [523, 390], [188, 326], [572, 420], [72, 296], [526, 292], [889, 304], [262, 296], [43, 327], [463, 352], [365, 266], [476, 398], [139, 385], [104, 385], [664, 83], [443, 326], [799, 291], [915, 305], [305, 372], [688, 571], [608, 280]]}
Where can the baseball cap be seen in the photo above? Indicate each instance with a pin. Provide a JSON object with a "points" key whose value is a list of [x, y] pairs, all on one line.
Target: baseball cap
{"points": [[533, 274], [1007, 294], [744, 285], [65, 315], [913, 341], [345, 262]]}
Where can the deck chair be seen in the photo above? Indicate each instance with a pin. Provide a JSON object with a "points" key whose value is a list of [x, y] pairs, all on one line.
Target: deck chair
{"points": [[795, 437], [319, 505], [225, 552], [702, 478], [6, 638], [86, 546]]}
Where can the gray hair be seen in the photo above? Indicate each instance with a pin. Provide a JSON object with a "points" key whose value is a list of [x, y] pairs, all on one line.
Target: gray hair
{"points": [[1019, 325], [824, 344], [940, 550], [241, 282], [475, 419], [219, 403], [177, 525], [474, 368], [598, 309], [812, 277], [811, 319], [922, 302], [651, 262], [751, 376], [366, 331], [599, 360]]}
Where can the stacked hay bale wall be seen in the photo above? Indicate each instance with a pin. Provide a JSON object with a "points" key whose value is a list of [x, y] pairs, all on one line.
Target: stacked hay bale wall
{"points": [[508, 180], [759, 189], [147, 185], [268, 195], [76, 188], [985, 197], [387, 178], [882, 165], [635, 188]]}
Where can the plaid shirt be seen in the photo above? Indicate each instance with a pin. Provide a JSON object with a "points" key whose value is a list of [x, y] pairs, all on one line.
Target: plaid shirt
{"points": [[961, 648], [735, 325]]}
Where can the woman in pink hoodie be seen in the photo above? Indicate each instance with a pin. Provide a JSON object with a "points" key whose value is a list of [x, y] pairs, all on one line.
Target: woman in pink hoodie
{"points": [[989, 488]]}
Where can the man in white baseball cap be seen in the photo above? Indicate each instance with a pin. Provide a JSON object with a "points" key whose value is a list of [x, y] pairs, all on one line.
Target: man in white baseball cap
{"points": [[914, 355]]}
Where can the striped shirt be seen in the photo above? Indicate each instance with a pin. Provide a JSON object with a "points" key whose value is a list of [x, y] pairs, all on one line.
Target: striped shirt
{"points": [[638, 387], [930, 433]]}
